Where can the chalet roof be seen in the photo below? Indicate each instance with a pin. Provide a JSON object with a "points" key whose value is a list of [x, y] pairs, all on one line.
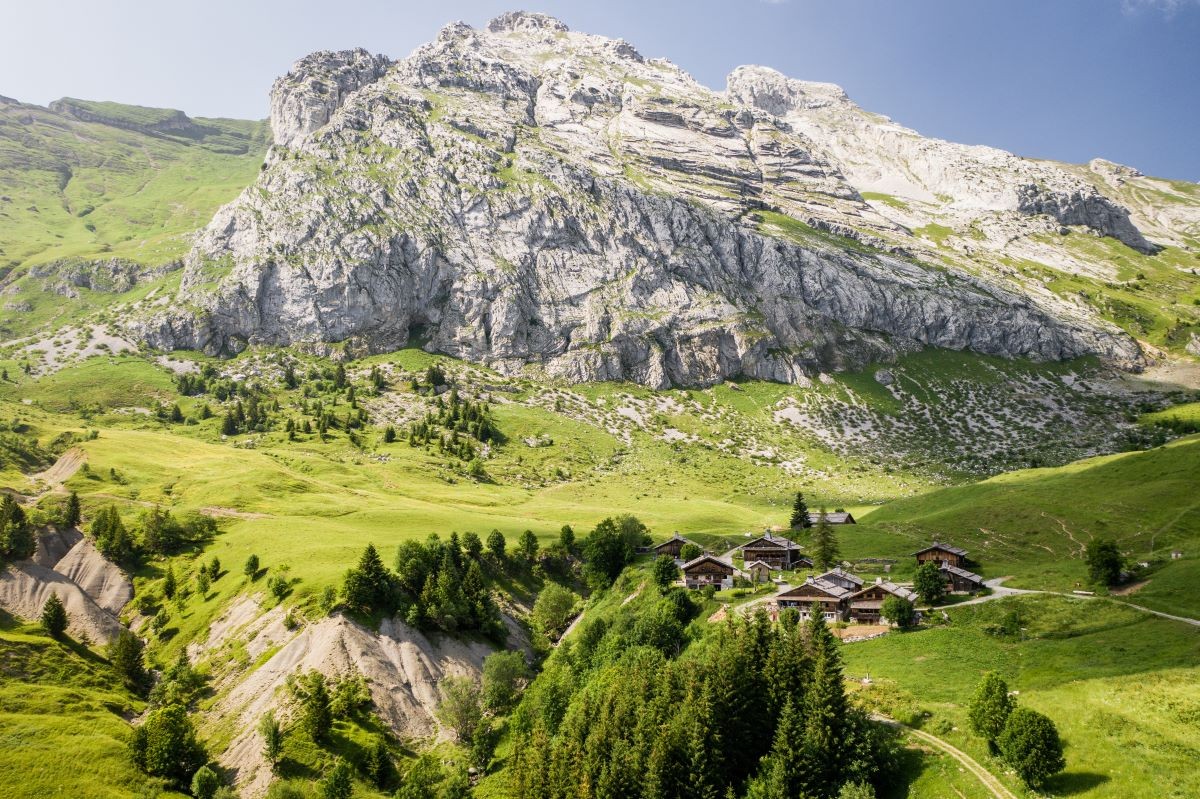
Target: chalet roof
{"points": [[962, 553], [757, 563], [963, 573], [890, 587], [772, 540], [713, 558], [831, 589], [844, 575], [673, 539], [836, 517]]}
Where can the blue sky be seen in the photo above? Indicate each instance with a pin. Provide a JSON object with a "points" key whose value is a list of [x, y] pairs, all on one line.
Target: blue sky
{"points": [[1065, 79]]}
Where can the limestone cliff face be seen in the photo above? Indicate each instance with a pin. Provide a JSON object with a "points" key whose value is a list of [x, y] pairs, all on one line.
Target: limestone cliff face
{"points": [[525, 196]]}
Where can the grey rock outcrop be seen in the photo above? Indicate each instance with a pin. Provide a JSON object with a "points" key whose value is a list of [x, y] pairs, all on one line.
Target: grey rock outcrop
{"points": [[529, 196], [305, 98]]}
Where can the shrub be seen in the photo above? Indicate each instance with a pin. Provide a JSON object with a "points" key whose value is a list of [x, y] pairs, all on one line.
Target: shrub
{"points": [[165, 746], [205, 783], [1031, 746], [990, 707]]}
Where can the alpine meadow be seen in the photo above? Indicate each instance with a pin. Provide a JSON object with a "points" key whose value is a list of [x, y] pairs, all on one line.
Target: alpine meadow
{"points": [[525, 418]]}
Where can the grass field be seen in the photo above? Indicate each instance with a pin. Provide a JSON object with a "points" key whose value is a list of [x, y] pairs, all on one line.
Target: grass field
{"points": [[1036, 524], [62, 720], [1118, 683]]}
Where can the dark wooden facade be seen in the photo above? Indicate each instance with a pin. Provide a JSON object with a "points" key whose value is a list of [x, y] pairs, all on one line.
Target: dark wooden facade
{"points": [[829, 597], [776, 551], [708, 570], [941, 553], [866, 605], [672, 546]]}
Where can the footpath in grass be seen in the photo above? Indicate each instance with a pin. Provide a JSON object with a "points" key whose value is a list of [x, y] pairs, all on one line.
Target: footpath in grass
{"points": [[1113, 679]]}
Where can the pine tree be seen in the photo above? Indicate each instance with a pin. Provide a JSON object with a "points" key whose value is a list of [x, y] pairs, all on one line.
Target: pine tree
{"points": [[784, 775], [368, 586], [338, 784], [17, 541], [72, 514], [496, 544], [169, 585], [316, 717], [229, 425], [824, 542], [125, 655], [799, 517], [824, 711], [529, 546], [54, 617], [272, 735]]}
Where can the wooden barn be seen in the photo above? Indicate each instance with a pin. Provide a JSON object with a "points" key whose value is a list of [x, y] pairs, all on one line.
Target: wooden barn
{"points": [[774, 550], [866, 605], [829, 597], [941, 553], [836, 517], [672, 546], [961, 581], [708, 570], [759, 572]]}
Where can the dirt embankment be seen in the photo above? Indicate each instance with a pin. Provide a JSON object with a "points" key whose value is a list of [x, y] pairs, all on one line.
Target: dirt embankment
{"points": [[92, 589], [402, 665]]}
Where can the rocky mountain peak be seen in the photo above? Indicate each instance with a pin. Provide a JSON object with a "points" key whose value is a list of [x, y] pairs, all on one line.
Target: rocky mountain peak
{"points": [[525, 21], [305, 98], [535, 198]]}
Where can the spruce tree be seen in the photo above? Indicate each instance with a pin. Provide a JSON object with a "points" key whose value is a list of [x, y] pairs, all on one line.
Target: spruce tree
{"points": [[125, 655], [316, 717], [72, 514], [824, 711], [251, 567], [169, 584], [529, 546], [272, 735], [799, 517], [825, 546], [54, 616], [783, 773]]}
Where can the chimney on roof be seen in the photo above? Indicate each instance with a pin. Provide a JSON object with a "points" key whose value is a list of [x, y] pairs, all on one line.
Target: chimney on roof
{"points": [[767, 535], [878, 581], [809, 579]]}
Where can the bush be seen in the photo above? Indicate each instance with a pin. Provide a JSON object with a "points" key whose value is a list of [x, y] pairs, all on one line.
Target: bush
{"points": [[1031, 746], [338, 784], [665, 571], [165, 746], [504, 674], [251, 567], [1104, 562], [553, 609], [690, 552], [990, 708], [899, 611], [929, 583], [205, 783]]}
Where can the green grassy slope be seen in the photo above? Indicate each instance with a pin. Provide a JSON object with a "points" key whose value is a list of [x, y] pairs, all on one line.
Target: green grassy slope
{"points": [[88, 188], [62, 720], [1035, 524], [1118, 683]]}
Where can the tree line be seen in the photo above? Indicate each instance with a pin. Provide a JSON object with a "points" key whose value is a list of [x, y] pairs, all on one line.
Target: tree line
{"points": [[754, 710]]}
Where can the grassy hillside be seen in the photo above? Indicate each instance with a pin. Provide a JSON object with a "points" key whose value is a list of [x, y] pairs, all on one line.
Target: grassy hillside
{"points": [[62, 720], [1118, 683], [1036, 524]]}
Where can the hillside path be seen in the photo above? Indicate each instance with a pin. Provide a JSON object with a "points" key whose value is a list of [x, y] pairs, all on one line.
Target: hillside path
{"points": [[1000, 591], [989, 780]]}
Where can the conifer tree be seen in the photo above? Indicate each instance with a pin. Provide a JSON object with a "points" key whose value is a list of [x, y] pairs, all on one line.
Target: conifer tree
{"points": [[824, 711], [316, 717], [169, 584], [799, 517], [54, 617], [824, 542], [72, 514]]}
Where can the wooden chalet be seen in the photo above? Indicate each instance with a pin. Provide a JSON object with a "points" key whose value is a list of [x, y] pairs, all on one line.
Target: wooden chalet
{"points": [[829, 597], [759, 572], [941, 553], [708, 570], [837, 517], [672, 546], [866, 605], [843, 578], [774, 550], [961, 581]]}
